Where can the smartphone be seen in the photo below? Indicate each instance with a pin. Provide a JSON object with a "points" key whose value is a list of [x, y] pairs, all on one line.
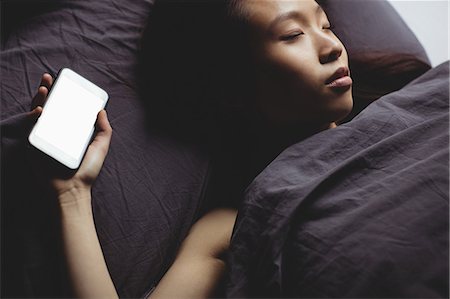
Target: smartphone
{"points": [[66, 125]]}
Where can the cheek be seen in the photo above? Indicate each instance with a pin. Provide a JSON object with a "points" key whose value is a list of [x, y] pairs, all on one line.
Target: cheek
{"points": [[289, 67], [289, 74]]}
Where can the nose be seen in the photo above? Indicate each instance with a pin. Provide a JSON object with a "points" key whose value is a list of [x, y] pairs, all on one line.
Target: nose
{"points": [[330, 48]]}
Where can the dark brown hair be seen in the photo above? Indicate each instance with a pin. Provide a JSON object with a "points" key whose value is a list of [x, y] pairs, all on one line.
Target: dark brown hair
{"points": [[195, 76], [194, 66]]}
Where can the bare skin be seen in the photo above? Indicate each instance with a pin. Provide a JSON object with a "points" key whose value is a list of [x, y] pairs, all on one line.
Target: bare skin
{"points": [[198, 267], [296, 52], [296, 55]]}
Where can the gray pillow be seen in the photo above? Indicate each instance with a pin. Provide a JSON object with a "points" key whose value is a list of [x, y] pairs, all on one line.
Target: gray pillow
{"points": [[151, 186], [384, 54]]}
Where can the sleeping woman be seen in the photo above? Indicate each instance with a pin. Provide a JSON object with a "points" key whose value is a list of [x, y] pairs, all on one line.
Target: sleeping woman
{"points": [[300, 85]]}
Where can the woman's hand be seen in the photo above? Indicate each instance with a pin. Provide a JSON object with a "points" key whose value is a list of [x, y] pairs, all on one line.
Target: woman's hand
{"points": [[69, 186], [86, 265]]}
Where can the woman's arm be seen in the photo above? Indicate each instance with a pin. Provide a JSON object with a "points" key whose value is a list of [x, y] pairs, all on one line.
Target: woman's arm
{"points": [[86, 265], [196, 272], [199, 267]]}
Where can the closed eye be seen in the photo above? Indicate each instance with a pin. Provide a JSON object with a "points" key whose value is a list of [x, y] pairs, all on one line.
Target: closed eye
{"points": [[291, 37]]}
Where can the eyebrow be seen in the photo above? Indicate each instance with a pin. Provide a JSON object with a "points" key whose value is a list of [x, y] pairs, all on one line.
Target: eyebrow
{"points": [[292, 15]]}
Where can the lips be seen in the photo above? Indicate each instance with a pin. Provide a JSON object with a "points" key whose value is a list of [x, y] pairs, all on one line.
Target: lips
{"points": [[340, 78]]}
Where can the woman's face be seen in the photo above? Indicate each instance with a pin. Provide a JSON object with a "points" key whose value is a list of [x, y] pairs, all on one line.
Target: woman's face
{"points": [[296, 56]]}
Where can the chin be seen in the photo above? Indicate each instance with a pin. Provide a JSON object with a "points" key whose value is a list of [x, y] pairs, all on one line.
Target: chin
{"points": [[341, 108]]}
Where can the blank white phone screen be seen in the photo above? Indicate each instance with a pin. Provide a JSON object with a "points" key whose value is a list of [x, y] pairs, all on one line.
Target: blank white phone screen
{"points": [[68, 119]]}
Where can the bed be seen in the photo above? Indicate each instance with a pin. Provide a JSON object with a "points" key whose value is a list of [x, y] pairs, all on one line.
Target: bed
{"points": [[154, 186], [151, 188], [360, 211]]}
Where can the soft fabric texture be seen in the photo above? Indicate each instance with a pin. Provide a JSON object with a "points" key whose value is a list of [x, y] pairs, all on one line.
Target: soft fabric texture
{"points": [[357, 211], [152, 186], [384, 54]]}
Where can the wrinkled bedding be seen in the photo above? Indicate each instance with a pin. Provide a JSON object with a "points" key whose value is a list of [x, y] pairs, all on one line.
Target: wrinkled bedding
{"points": [[151, 187], [358, 211]]}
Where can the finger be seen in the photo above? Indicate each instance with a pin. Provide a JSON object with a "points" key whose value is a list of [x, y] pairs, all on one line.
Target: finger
{"points": [[103, 132], [35, 113], [47, 80], [98, 149], [40, 97], [32, 117], [102, 124]]}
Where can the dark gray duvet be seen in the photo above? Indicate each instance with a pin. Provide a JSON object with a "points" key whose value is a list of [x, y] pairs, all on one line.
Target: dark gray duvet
{"points": [[152, 188], [357, 211]]}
